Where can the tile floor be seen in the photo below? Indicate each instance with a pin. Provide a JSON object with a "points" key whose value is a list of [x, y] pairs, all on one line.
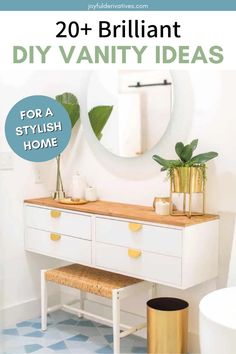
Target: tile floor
{"points": [[66, 334]]}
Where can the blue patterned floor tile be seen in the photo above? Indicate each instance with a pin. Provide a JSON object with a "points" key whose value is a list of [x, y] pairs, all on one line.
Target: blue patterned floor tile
{"points": [[79, 337], [37, 325], [53, 330], [68, 331], [86, 323], [9, 341], [15, 350], [81, 351], [125, 350], [139, 350], [70, 322], [65, 351], [47, 343], [77, 346], [130, 341], [52, 335], [105, 350], [48, 340], [38, 319], [98, 340], [10, 332], [35, 334], [89, 331], [45, 351], [58, 346], [140, 341], [102, 325], [60, 315], [104, 330], [24, 324], [87, 347], [127, 345], [109, 338], [67, 334], [31, 348], [27, 341], [25, 330]]}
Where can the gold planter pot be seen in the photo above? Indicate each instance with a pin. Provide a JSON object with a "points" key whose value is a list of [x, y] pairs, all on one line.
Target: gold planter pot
{"points": [[187, 180]]}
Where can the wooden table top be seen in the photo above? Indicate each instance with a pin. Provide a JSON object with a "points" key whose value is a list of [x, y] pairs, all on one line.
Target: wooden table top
{"points": [[125, 211]]}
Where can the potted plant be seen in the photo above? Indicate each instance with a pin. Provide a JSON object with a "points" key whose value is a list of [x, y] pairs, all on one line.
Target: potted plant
{"points": [[187, 173], [187, 164]]}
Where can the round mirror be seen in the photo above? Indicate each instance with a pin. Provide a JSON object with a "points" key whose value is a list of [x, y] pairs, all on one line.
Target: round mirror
{"points": [[129, 110]]}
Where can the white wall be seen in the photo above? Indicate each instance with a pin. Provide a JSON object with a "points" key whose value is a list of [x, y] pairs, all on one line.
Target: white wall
{"points": [[213, 121]]}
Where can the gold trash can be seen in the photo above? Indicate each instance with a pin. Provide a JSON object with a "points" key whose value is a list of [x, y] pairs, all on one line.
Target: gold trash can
{"points": [[167, 326]]}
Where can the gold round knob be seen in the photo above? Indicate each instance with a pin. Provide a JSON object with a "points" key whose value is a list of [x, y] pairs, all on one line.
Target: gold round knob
{"points": [[55, 213], [132, 253], [135, 227], [55, 237]]}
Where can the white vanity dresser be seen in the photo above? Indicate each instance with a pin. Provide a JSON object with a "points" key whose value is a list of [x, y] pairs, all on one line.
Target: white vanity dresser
{"points": [[127, 239]]}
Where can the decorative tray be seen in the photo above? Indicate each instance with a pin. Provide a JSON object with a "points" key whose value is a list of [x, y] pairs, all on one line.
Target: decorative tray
{"points": [[72, 201]]}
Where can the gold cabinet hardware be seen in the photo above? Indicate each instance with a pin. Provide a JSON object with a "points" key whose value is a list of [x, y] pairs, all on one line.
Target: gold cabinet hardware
{"points": [[55, 213], [132, 253], [55, 237], [135, 227]]}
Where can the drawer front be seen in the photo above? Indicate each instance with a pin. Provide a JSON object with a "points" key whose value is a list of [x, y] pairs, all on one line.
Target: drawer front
{"points": [[151, 266], [62, 222], [58, 246], [162, 240]]}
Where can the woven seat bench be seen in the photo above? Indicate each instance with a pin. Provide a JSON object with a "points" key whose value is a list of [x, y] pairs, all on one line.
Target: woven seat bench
{"points": [[98, 282]]}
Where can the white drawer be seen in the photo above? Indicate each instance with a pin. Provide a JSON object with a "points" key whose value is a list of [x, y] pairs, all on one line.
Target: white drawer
{"points": [[63, 222], [150, 266], [67, 248], [162, 240]]}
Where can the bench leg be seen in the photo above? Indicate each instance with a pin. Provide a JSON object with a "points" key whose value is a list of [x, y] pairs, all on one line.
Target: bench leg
{"points": [[153, 291], [44, 301], [116, 321], [82, 298]]}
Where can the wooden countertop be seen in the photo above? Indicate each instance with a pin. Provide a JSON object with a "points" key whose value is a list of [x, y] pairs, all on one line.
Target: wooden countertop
{"points": [[125, 211]]}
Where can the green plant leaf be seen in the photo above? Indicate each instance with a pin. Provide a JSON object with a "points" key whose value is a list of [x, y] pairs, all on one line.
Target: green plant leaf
{"points": [[179, 148], [194, 144], [71, 104], [187, 153], [166, 163], [161, 161], [98, 117], [203, 158]]}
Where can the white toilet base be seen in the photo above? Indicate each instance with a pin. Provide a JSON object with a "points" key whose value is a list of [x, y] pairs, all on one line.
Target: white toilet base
{"points": [[216, 339], [218, 322]]}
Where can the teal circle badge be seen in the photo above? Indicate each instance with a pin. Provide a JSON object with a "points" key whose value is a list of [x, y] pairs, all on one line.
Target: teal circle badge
{"points": [[38, 128]]}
